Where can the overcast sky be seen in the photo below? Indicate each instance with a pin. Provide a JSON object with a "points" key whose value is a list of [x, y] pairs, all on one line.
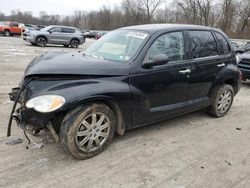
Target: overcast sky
{"points": [[63, 7]]}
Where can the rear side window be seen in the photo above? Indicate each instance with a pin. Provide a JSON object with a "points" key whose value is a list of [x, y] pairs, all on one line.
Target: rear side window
{"points": [[68, 30], [203, 44], [223, 44]]}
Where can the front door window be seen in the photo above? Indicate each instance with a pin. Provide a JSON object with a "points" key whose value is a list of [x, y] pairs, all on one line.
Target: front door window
{"points": [[170, 44]]}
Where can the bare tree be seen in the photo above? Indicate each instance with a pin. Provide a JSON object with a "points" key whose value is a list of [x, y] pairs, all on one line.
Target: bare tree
{"points": [[150, 7], [197, 11], [227, 15], [232, 16], [243, 12]]}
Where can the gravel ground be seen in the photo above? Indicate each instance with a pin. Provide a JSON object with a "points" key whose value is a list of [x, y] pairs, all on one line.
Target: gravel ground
{"points": [[195, 150]]}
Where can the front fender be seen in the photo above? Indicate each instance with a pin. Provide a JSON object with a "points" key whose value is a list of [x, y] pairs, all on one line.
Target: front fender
{"points": [[78, 92]]}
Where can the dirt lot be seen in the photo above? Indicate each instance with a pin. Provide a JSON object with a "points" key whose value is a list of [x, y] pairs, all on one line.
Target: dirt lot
{"points": [[191, 151]]}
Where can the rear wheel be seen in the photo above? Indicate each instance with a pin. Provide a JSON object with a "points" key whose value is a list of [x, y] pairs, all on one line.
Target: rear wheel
{"points": [[74, 43], [223, 101], [41, 41], [6, 33], [87, 130]]}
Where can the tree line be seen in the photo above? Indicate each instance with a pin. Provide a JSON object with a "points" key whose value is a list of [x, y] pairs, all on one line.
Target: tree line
{"points": [[231, 16]]}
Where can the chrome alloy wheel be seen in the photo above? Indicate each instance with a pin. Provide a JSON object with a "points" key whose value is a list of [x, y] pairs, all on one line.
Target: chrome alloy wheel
{"points": [[93, 132], [224, 101]]}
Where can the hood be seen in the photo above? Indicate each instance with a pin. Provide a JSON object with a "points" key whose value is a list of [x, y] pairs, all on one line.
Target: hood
{"points": [[61, 63], [34, 31]]}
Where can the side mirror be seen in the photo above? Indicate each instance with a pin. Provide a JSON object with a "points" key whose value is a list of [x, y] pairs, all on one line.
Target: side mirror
{"points": [[156, 60]]}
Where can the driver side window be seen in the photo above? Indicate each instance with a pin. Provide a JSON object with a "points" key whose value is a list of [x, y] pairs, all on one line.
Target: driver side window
{"points": [[170, 44]]}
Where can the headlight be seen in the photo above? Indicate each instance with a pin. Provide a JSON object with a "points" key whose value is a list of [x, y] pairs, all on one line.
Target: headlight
{"points": [[46, 103], [238, 59]]}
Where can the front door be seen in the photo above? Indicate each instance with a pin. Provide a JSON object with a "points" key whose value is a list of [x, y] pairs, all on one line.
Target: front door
{"points": [[161, 91]]}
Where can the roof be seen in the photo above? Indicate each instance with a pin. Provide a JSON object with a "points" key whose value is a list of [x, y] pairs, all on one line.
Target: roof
{"points": [[151, 28], [62, 26]]}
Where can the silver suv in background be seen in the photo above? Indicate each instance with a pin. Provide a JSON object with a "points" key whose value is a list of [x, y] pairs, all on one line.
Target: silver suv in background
{"points": [[54, 34]]}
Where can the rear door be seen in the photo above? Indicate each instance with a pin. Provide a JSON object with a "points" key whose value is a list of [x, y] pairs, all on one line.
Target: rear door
{"points": [[205, 64], [67, 34]]}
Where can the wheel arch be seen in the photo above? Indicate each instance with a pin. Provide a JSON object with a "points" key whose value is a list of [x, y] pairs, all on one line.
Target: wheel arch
{"points": [[232, 81], [43, 37], [74, 38], [108, 101]]}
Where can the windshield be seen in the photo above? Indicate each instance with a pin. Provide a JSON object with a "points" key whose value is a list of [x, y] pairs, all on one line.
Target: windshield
{"points": [[119, 45]]}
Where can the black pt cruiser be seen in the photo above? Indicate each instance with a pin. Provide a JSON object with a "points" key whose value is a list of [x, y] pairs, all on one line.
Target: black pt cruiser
{"points": [[131, 77]]}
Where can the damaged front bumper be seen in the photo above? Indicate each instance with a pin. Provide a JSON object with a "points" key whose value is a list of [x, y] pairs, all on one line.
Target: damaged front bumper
{"points": [[26, 119]]}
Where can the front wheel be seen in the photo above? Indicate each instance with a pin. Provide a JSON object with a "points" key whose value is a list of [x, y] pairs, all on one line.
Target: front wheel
{"points": [[87, 130], [41, 41], [223, 101]]}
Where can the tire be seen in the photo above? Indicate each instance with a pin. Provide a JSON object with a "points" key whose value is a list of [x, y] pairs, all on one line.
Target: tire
{"points": [[66, 45], [41, 41], [6, 33], [74, 43], [33, 44], [81, 136], [222, 102]]}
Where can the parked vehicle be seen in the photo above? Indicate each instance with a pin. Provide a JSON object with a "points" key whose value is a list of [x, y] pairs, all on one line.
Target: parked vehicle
{"points": [[11, 28], [99, 35], [244, 65], [91, 34], [129, 78], [238, 49], [61, 35]]}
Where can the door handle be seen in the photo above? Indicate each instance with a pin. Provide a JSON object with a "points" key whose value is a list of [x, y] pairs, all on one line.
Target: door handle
{"points": [[221, 65], [186, 71]]}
